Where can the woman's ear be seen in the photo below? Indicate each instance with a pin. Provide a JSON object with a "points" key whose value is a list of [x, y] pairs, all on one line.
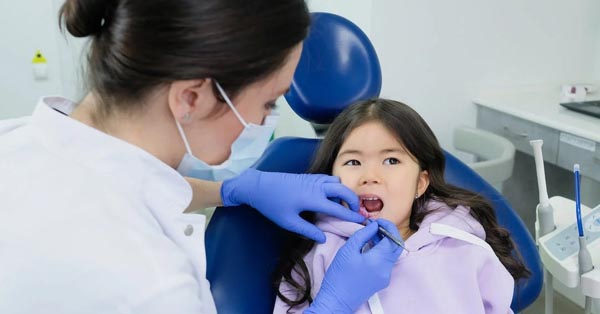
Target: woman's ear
{"points": [[423, 182], [192, 99]]}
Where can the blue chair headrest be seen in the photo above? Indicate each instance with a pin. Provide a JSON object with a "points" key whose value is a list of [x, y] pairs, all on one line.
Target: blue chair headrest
{"points": [[338, 67]]}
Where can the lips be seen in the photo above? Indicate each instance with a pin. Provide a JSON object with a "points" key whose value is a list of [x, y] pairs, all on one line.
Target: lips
{"points": [[370, 205]]}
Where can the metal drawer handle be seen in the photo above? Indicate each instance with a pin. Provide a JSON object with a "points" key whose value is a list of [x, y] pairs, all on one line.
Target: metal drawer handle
{"points": [[513, 133]]}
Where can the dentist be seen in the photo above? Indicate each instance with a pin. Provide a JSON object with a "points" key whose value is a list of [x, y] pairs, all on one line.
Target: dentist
{"points": [[93, 194]]}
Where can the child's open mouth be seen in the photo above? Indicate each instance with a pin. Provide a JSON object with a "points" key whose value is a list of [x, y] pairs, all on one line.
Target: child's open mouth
{"points": [[370, 205]]}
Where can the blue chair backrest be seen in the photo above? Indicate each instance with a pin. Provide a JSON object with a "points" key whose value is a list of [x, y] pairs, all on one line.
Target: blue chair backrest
{"points": [[242, 246]]}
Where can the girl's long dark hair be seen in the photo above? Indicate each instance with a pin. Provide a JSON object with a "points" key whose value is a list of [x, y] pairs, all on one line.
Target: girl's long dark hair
{"points": [[418, 139]]}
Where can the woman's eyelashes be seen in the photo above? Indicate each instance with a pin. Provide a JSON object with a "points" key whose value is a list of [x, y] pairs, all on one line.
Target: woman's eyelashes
{"points": [[271, 105]]}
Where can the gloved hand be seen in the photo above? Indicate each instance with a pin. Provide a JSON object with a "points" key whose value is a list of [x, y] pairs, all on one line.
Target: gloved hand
{"points": [[353, 277], [281, 197]]}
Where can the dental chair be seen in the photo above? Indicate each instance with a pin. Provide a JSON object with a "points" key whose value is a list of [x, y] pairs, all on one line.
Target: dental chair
{"points": [[338, 67]]}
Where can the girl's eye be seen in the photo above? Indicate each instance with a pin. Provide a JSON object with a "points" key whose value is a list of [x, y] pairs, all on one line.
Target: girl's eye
{"points": [[391, 161], [352, 162]]}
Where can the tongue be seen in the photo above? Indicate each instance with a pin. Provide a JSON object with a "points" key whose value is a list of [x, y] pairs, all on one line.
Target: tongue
{"points": [[373, 205]]}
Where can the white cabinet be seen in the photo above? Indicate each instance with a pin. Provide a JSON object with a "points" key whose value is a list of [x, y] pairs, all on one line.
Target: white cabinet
{"points": [[519, 132], [586, 153]]}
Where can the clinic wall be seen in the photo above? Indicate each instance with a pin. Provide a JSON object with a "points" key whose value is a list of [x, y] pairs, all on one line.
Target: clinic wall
{"points": [[597, 60], [358, 11], [26, 26], [436, 54]]}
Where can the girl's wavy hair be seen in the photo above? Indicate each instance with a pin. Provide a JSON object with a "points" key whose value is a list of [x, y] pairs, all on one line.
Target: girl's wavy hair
{"points": [[418, 139]]}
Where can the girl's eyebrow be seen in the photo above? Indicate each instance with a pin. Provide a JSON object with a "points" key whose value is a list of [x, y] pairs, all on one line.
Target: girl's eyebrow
{"points": [[393, 150], [350, 152], [399, 150]]}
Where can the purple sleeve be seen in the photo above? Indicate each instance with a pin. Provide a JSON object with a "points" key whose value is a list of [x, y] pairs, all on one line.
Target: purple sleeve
{"points": [[496, 287]]}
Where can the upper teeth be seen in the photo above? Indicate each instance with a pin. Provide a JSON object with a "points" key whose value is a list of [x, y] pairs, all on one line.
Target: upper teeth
{"points": [[370, 198]]}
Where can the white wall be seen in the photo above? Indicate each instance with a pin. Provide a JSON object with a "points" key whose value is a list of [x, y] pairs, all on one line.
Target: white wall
{"points": [[436, 54], [26, 26], [358, 11], [597, 63]]}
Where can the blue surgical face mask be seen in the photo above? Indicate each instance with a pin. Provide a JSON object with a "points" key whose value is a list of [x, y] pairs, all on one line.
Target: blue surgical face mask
{"points": [[245, 150]]}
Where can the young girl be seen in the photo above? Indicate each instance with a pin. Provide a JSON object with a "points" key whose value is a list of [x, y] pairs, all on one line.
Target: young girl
{"points": [[457, 259]]}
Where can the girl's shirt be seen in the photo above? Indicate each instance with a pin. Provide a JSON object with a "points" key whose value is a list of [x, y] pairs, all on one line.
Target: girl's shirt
{"points": [[448, 268]]}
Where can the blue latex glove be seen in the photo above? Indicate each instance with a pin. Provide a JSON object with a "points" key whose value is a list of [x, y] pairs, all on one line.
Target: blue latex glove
{"points": [[353, 277], [281, 197]]}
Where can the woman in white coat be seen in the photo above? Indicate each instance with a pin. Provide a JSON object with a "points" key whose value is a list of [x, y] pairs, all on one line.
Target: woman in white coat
{"points": [[93, 194]]}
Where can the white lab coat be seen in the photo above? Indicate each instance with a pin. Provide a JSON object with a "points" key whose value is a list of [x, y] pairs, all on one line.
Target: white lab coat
{"points": [[92, 224]]}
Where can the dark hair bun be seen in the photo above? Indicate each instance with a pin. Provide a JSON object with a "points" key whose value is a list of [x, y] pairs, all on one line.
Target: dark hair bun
{"points": [[83, 18], [137, 46]]}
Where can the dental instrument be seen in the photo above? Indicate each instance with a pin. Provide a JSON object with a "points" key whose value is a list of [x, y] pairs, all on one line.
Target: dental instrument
{"points": [[545, 210], [564, 241], [387, 234], [545, 214], [584, 256]]}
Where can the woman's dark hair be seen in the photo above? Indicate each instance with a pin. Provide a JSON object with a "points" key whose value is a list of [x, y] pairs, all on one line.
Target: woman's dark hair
{"points": [[138, 45], [416, 137]]}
